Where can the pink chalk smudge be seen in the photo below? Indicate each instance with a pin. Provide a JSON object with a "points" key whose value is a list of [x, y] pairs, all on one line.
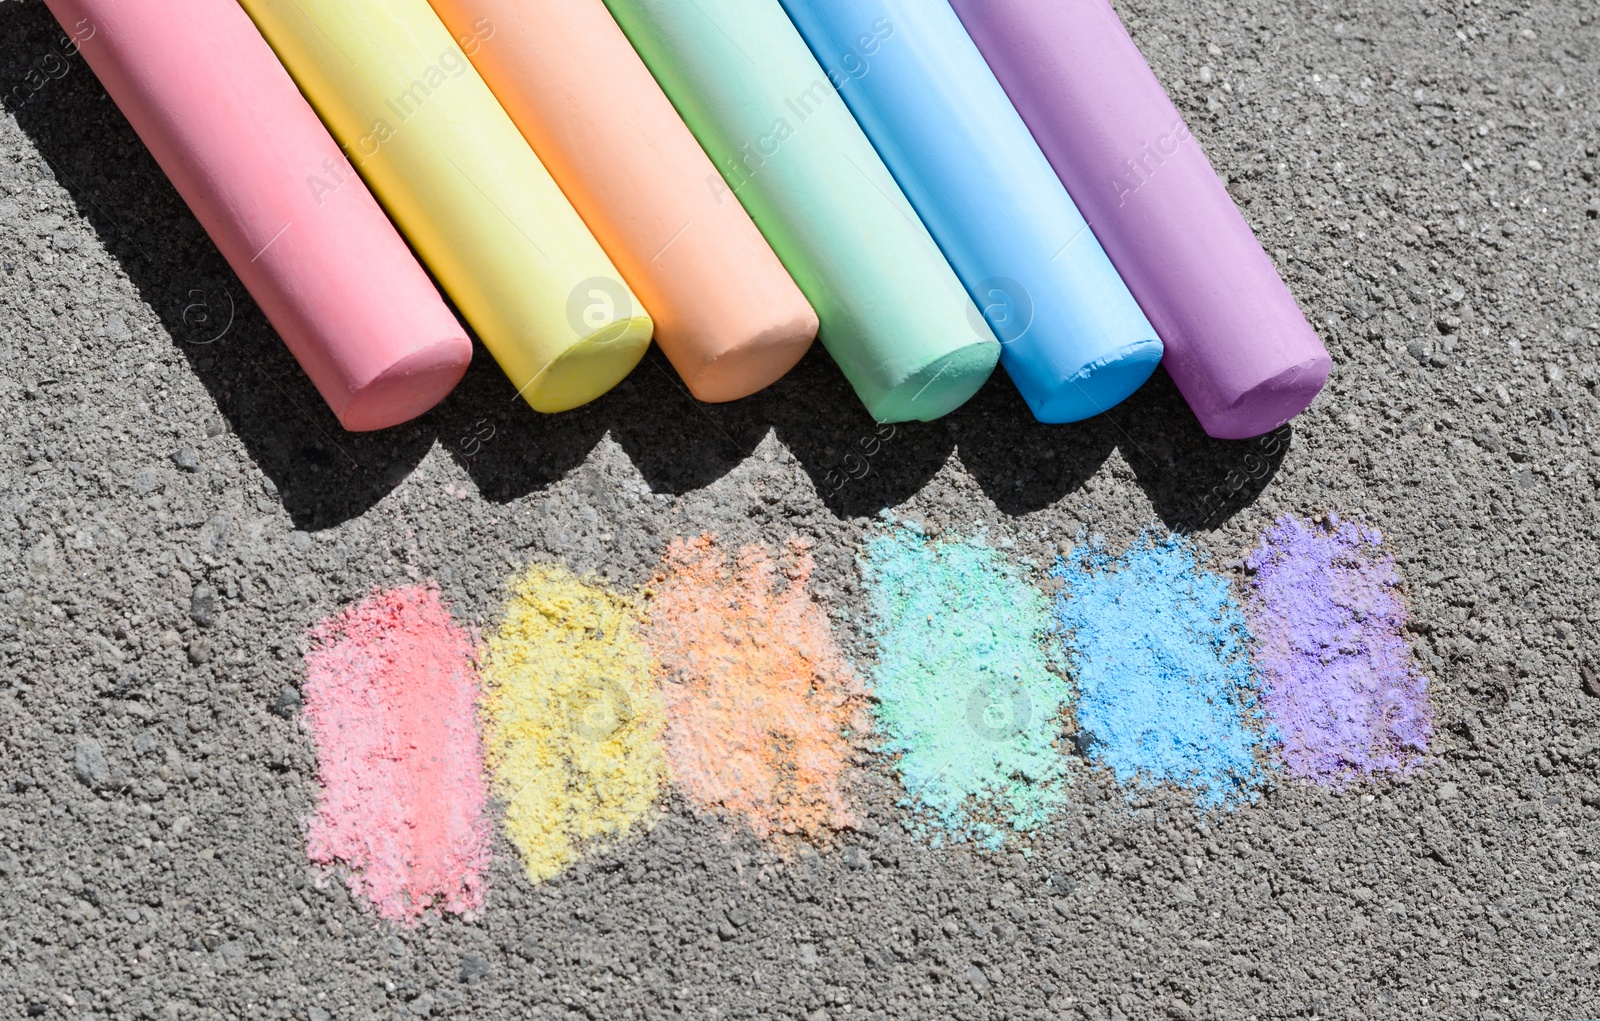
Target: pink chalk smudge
{"points": [[1337, 673], [390, 698]]}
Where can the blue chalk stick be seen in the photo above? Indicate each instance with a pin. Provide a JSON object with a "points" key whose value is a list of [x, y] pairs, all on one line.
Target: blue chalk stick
{"points": [[1074, 340]]}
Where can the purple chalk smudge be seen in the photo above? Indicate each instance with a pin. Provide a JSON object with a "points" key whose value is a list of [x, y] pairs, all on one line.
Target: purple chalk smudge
{"points": [[1337, 672]]}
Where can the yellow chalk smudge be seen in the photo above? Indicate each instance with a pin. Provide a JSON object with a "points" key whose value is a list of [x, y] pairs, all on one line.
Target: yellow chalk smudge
{"points": [[572, 720]]}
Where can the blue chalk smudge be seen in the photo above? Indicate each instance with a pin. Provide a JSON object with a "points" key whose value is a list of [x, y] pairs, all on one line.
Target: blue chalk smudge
{"points": [[1166, 692]]}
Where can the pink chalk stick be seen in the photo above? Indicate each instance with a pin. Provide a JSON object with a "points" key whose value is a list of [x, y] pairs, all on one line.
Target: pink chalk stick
{"points": [[221, 116], [1237, 345]]}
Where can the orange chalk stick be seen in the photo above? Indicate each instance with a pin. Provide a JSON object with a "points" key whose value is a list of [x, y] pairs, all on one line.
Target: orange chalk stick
{"points": [[727, 314]]}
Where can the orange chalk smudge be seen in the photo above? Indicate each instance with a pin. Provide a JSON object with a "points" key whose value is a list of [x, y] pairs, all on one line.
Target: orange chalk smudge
{"points": [[761, 705]]}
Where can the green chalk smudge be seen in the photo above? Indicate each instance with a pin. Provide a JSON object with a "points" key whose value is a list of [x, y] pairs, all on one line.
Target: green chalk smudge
{"points": [[967, 688]]}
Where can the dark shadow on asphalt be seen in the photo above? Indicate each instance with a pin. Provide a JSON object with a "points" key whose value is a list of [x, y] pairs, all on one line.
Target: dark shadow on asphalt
{"points": [[325, 475], [1193, 481]]}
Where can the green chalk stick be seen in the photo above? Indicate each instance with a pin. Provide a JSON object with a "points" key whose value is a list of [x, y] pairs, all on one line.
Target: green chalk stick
{"points": [[894, 315]]}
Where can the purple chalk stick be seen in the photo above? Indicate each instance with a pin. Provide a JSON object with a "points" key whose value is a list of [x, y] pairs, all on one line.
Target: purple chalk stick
{"points": [[1237, 345]]}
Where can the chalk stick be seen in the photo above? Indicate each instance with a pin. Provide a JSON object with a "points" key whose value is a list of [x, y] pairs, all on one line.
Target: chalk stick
{"points": [[893, 314], [223, 120], [1073, 339], [456, 176], [727, 315], [1237, 345]]}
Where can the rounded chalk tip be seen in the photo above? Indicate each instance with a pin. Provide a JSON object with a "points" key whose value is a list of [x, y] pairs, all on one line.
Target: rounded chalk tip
{"points": [[593, 365], [408, 387], [938, 387], [749, 365], [1270, 403], [1099, 386]]}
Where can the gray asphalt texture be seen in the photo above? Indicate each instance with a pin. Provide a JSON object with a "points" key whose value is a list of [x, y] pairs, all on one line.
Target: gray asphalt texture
{"points": [[178, 507]]}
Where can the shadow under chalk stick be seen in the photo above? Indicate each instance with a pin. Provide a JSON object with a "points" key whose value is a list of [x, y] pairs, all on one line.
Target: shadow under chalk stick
{"points": [[320, 474], [1237, 345], [218, 112]]}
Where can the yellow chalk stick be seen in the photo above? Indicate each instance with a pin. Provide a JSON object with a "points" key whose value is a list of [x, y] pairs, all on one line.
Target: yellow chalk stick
{"points": [[726, 312], [412, 116]]}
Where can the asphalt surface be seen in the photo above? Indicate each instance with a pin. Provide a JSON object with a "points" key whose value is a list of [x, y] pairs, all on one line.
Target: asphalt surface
{"points": [[178, 507]]}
